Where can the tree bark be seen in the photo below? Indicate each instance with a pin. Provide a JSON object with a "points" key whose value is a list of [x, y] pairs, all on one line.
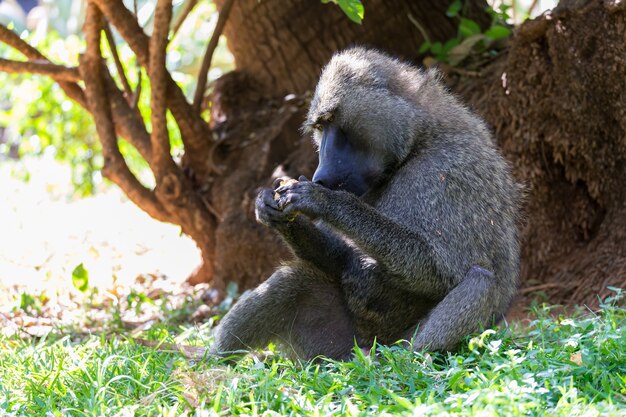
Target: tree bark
{"points": [[557, 101], [285, 43]]}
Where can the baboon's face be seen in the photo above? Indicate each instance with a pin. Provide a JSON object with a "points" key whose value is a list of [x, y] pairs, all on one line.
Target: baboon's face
{"points": [[345, 162], [363, 128]]}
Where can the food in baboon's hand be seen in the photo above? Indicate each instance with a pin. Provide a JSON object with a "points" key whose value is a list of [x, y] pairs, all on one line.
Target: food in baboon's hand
{"points": [[282, 183]]}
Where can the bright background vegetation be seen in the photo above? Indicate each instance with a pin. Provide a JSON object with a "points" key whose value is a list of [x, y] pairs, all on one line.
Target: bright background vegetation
{"points": [[35, 115]]}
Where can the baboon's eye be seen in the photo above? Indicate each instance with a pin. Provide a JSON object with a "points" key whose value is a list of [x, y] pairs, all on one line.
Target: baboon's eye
{"points": [[318, 126], [330, 118]]}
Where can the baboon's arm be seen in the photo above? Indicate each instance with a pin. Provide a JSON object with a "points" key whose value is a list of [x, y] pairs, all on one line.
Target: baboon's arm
{"points": [[316, 244], [403, 252]]}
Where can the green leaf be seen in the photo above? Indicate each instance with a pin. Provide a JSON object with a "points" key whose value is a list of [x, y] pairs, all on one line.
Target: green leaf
{"points": [[454, 8], [80, 278], [468, 28], [353, 9], [425, 47], [436, 48], [450, 44], [26, 301], [497, 32]]}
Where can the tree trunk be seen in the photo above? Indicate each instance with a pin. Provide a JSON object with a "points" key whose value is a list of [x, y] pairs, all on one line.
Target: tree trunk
{"points": [[285, 43]]}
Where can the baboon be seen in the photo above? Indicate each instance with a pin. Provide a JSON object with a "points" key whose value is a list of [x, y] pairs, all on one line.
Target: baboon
{"points": [[407, 231]]}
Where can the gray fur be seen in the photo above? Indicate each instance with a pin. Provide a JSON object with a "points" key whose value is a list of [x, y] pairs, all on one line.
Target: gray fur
{"points": [[431, 250]]}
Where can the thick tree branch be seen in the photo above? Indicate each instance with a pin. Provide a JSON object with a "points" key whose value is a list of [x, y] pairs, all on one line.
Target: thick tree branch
{"points": [[126, 25], [13, 40], [128, 92], [208, 55], [128, 121], [162, 160], [56, 72], [194, 131], [137, 93], [115, 168]]}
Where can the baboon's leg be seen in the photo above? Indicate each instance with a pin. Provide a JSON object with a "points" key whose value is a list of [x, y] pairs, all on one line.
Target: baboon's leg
{"points": [[298, 307], [475, 302], [322, 324]]}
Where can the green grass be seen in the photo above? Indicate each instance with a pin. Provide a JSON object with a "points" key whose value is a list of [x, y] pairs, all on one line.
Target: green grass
{"points": [[552, 366]]}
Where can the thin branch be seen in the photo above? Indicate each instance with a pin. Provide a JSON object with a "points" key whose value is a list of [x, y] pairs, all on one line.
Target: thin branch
{"points": [[183, 16], [532, 7], [419, 27], [137, 94], [157, 72], [126, 25], [128, 92], [14, 41], [115, 168], [56, 72], [10, 38], [208, 55]]}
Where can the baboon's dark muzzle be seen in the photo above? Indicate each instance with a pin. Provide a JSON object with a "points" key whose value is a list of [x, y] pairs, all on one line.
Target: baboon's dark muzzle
{"points": [[341, 166]]}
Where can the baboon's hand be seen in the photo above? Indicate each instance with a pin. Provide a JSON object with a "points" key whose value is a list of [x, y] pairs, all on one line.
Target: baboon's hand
{"points": [[304, 197], [267, 210]]}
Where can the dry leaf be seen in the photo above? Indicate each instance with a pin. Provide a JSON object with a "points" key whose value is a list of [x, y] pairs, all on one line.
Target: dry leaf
{"points": [[577, 358]]}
